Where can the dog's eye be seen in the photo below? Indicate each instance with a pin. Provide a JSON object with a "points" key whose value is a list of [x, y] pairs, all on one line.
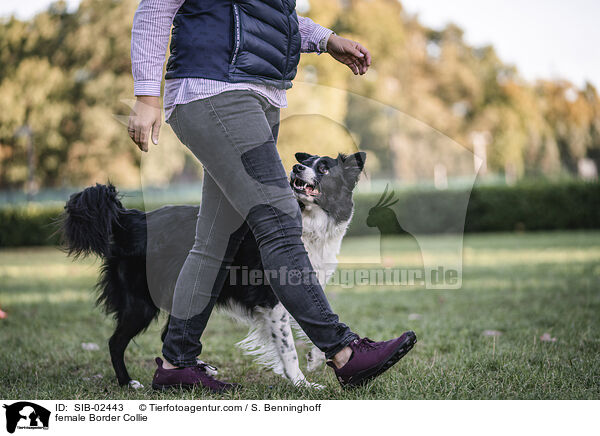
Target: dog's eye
{"points": [[323, 169]]}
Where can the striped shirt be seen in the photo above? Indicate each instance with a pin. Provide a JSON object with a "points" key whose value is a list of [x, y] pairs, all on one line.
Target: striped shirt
{"points": [[150, 37]]}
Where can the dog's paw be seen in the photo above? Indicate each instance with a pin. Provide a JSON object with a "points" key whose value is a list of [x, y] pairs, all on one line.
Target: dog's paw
{"points": [[135, 384], [312, 365], [314, 359], [305, 384]]}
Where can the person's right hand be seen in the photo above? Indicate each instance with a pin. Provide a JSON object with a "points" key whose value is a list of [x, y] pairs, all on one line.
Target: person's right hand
{"points": [[349, 53], [144, 118]]}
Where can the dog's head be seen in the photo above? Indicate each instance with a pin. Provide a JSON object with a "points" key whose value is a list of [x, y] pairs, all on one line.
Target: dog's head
{"points": [[88, 219], [325, 181]]}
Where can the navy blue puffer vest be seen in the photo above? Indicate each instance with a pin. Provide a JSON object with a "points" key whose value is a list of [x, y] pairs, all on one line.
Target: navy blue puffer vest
{"points": [[236, 41]]}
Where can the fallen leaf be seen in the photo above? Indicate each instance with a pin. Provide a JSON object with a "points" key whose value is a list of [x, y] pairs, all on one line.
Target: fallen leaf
{"points": [[491, 333], [94, 377], [90, 346], [547, 337]]}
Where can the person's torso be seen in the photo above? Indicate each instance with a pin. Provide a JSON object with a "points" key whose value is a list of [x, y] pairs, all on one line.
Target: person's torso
{"points": [[236, 41]]}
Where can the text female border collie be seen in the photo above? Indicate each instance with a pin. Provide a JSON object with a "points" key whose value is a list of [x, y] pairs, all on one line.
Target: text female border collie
{"points": [[95, 222]]}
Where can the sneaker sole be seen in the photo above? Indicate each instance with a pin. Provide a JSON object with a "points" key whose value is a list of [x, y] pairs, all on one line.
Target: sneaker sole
{"points": [[364, 377], [185, 387], [175, 387]]}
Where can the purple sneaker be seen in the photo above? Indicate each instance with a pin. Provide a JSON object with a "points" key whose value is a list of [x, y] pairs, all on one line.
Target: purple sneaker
{"points": [[187, 378], [370, 359]]}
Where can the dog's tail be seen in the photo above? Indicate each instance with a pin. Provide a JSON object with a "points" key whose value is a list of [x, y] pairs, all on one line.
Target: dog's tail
{"points": [[87, 222]]}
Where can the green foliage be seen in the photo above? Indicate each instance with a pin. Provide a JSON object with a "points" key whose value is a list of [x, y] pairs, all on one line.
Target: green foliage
{"points": [[534, 207], [507, 208], [66, 74], [28, 225], [540, 206]]}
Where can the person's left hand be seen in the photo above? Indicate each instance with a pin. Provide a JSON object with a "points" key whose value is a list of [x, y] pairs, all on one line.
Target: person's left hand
{"points": [[350, 53]]}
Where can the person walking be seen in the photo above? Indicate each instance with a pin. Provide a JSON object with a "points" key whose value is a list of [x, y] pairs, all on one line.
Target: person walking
{"points": [[230, 64]]}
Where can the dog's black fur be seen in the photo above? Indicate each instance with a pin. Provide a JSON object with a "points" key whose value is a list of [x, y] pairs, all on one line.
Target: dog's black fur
{"points": [[96, 222], [139, 272]]}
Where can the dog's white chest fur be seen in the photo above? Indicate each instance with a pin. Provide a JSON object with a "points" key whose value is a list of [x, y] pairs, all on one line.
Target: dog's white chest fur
{"points": [[322, 238]]}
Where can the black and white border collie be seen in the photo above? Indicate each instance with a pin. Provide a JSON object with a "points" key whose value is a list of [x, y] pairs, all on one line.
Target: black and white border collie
{"points": [[95, 222]]}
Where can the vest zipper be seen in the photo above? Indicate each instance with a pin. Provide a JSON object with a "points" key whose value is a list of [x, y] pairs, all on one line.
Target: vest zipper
{"points": [[236, 46], [287, 55]]}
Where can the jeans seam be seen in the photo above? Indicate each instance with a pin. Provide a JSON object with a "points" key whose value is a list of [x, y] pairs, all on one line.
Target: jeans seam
{"points": [[253, 175], [177, 126], [187, 320], [180, 361], [343, 344], [311, 289], [291, 258]]}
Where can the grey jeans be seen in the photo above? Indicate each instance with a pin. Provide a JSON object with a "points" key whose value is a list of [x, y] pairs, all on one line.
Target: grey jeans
{"points": [[234, 136]]}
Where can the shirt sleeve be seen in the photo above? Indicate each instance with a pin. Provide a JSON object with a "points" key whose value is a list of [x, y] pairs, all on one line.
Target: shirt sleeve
{"points": [[149, 39], [311, 34]]}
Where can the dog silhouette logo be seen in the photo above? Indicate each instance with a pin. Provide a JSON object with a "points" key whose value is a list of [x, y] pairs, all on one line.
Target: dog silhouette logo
{"points": [[26, 415]]}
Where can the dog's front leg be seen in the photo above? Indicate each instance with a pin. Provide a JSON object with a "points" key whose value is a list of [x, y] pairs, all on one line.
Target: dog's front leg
{"points": [[278, 321], [314, 359]]}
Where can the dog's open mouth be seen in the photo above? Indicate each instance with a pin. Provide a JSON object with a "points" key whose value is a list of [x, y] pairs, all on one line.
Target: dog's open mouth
{"points": [[304, 188]]}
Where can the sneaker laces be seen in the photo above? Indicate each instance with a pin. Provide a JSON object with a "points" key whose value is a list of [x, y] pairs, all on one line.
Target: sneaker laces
{"points": [[206, 367], [366, 344], [201, 369]]}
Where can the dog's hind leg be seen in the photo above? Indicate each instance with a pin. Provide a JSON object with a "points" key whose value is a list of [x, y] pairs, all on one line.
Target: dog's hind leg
{"points": [[130, 323]]}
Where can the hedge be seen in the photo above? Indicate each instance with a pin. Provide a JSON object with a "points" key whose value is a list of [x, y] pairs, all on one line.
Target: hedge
{"points": [[572, 205], [556, 206], [28, 225]]}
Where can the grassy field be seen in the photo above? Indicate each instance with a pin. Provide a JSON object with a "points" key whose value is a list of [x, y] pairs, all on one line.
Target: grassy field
{"points": [[521, 285]]}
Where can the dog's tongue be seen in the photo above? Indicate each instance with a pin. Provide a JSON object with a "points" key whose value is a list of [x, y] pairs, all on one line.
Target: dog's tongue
{"points": [[308, 190]]}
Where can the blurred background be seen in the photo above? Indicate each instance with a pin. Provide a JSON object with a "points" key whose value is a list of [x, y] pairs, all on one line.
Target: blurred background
{"points": [[437, 95], [482, 116]]}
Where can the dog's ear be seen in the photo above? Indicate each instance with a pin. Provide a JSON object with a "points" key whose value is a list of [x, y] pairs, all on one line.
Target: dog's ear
{"points": [[353, 165], [355, 160], [302, 157], [112, 192]]}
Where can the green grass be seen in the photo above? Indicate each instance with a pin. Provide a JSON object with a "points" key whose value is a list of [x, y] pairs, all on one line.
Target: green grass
{"points": [[523, 285]]}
